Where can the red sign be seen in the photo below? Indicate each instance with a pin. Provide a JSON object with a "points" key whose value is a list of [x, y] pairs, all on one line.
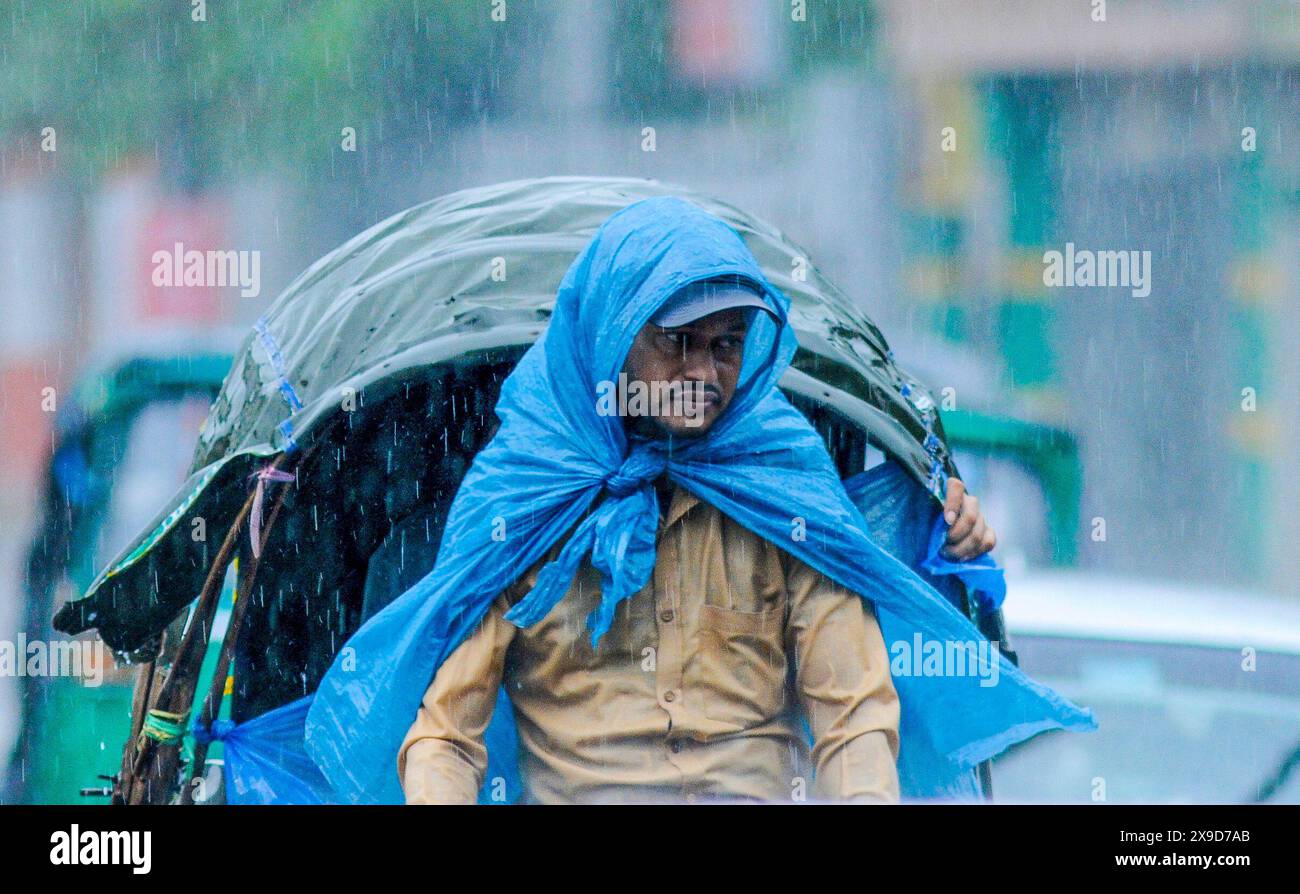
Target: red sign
{"points": [[170, 237]]}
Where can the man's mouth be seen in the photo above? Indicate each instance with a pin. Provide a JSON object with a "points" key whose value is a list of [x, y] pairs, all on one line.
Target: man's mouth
{"points": [[696, 399]]}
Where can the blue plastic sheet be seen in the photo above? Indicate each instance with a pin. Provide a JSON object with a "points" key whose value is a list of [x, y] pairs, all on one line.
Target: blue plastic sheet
{"points": [[904, 519], [897, 510], [981, 575], [265, 761], [761, 463]]}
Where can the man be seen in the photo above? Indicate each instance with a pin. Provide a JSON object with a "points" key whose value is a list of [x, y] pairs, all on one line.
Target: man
{"points": [[730, 587], [696, 692]]}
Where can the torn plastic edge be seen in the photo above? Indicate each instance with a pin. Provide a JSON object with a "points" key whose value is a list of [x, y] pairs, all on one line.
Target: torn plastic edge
{"points": [[165, 526]]}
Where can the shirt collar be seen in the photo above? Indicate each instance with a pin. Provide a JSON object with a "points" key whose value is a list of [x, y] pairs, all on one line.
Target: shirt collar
{"points": [[683, 502]]}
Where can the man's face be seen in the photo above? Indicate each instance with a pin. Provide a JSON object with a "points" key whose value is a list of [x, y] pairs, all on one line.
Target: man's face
{"points": [[700, 364]]}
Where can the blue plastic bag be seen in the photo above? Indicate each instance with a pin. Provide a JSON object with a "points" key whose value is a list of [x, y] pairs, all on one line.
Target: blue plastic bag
{"points": [[265, 761]]}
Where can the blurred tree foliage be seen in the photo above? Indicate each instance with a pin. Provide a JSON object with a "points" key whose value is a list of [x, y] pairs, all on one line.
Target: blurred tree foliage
{"points": [[260, 83]]}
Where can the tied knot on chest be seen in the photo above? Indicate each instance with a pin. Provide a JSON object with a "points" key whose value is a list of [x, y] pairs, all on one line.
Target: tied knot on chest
{"points": [[619, 538], [643, 464]]}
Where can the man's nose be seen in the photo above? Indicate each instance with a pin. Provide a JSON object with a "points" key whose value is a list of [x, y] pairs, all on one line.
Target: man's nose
{"points": [[701, 367]]}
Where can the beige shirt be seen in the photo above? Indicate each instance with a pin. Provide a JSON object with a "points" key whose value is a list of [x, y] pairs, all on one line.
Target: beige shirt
{"points": [[692, 695]]}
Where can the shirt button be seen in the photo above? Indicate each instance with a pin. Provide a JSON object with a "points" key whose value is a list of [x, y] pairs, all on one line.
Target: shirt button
{"points": [[667, 615], [690, 797], [669, 695]]}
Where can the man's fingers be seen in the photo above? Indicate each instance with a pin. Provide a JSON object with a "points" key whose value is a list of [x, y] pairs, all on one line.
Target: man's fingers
{"points": [[952, 501], [962, 529], [967, 518], [959, 551], [969, 535], [972, 544]]}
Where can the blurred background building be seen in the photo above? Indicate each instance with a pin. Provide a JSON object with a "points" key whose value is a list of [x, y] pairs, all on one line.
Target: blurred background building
{"points": [[926, 153]]}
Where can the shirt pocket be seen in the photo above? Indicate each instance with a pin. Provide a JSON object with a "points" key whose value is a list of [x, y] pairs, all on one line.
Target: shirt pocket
{"points": [[741, 664]]}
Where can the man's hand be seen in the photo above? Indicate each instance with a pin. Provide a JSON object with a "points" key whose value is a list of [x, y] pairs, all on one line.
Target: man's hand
{"points": [[968, 534]]}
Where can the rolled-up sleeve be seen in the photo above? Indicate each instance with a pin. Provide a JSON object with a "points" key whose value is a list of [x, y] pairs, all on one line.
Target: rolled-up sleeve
{"points": [[443, 759], [845, 688]]}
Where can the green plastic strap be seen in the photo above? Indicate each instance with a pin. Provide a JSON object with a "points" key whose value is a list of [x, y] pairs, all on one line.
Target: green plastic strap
{"points": [[164, 727]]}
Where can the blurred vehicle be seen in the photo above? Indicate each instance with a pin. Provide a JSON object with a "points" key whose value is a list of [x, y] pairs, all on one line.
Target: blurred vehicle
{"points": [[1027, 473], [1028, 479], [1196, 692], [123, 440]]}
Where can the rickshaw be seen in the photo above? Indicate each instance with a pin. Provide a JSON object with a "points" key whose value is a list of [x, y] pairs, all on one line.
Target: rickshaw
{"points": [[122, 441], [329, 459]]}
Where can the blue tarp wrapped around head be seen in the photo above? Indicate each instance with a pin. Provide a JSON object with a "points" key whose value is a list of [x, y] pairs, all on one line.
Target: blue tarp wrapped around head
{"points": [[761, 463]]}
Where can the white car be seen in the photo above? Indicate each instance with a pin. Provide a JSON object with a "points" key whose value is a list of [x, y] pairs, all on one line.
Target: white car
{"points": [[1196, 692]]}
